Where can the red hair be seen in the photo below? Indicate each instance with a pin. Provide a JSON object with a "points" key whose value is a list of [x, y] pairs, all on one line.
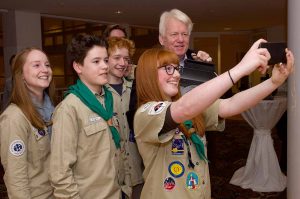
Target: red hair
{"points": [[147, 86]]}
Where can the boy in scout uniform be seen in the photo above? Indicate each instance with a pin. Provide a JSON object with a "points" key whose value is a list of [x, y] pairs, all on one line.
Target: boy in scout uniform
{"points": [[120, 50], [25, 127], [170, 129], [87, 160]]}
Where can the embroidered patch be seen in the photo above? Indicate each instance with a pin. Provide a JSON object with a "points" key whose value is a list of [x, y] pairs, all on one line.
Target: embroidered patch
{"points": [[177, 146], [157, 108], [176, 169], [146, 106], [17, 147], [42, 132], [169, 183], [192, 181]]}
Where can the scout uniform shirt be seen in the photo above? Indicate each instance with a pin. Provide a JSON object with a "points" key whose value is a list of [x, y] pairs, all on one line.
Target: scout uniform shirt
{"points": [[166, 157], [85, 162], [25, 155], [134, 160]]}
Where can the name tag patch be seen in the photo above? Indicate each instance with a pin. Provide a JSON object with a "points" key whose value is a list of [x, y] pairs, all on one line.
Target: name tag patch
{"points": [[17, 147], [94, 119]]}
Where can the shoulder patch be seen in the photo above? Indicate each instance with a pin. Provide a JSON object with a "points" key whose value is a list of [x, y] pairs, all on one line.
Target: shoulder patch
{"points": [[157, 108], [145, 107], [17, 147]]}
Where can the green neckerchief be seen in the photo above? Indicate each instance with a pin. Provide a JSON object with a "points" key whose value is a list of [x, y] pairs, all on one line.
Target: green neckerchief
{"points": [[89, 99], [196, 140]]}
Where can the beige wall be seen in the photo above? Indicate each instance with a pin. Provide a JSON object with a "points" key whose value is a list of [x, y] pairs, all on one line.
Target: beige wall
{"points": [[228, 48]]}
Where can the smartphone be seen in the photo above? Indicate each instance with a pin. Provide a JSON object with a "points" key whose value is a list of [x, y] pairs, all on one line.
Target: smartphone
{"points": [[276, 50]]}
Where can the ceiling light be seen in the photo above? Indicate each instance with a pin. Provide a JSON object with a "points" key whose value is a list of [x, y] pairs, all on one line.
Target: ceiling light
{"points": [[227, 28], [118, 12]]}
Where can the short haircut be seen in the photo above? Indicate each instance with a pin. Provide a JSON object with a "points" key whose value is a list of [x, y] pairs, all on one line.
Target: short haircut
{"points": [[115, 42], [174, 14], [80, 45], [110, 28]]}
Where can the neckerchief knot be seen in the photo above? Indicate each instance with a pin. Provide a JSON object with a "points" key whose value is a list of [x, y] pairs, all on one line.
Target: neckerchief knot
{"points": [[89, 99], [195, 139]]}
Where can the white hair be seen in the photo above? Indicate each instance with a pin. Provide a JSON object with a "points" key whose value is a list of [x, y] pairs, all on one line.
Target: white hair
{"points": [[174, 14]]}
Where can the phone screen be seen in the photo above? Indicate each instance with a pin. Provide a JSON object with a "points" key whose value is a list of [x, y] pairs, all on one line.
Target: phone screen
{"points": [[276, 50]]}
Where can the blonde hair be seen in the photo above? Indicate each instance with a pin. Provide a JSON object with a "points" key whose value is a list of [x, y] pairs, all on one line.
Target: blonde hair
{"points": [[147, 86], [20, 95]]}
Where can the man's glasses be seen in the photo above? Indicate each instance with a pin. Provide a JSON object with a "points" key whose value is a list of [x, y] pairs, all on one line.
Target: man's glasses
{"points": [[170, 69]]}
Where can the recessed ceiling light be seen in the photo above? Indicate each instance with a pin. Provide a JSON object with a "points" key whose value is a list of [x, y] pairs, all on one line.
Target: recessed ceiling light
{"points": [[227, 28], [118, 12]]}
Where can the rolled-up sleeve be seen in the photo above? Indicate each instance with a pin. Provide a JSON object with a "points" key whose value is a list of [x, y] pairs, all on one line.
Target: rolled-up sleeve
{"points": [[211, 118]]}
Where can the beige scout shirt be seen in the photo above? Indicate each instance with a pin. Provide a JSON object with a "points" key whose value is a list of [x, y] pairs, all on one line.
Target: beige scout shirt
{"points": [[85, 162], [134, 160], [167, 174], [25, 156]]}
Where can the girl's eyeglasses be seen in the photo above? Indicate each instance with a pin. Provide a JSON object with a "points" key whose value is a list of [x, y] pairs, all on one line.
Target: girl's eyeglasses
{"points": [[170, 69]]}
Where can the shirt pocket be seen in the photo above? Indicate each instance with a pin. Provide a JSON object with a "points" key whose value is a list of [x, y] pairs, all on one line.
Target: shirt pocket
{"points": [[97, 138]]}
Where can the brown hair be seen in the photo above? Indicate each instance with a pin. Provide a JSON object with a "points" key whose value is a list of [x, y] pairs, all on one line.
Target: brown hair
{"points": [[110, 28], [147, 86], [116, 42], [20, 95], [80, 45]]}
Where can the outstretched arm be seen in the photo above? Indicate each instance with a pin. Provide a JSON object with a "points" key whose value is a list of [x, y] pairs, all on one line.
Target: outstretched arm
{"points": [[198, 99], [250, 97]]}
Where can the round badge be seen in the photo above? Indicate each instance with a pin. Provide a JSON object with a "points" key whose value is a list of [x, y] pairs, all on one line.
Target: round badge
{"points": [[176, 169], [192, 181], [169, 183], [17, 147], [42, 132]]}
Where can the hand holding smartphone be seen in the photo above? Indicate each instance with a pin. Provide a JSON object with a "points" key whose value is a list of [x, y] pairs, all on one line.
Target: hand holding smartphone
{"points": [[276, 50]]}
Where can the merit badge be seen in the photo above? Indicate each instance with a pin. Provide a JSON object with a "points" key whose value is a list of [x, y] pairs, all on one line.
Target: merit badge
{"points": [[192, 181], [177, 146], [17, 147], [176, 169], [157, 108], [169, 183]]}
